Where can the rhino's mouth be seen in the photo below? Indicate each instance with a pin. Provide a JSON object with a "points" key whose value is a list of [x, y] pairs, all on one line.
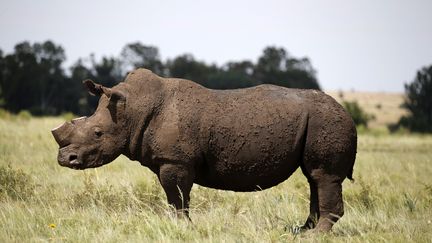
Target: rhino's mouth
{"points": [[75, 162], [68, 158], [77, 167], [72, 156]]}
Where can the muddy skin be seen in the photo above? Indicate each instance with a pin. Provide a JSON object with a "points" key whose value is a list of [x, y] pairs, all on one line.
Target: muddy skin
{"points": [[240, 140]]}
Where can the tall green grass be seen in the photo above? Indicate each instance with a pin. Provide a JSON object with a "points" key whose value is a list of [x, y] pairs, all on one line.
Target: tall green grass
{"points": [[390, 200]]}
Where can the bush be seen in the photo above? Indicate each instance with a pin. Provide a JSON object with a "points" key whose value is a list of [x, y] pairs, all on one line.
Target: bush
{"points": [[97, 195], [24, 115], [359, 116], [4, 114], [15, 184]]}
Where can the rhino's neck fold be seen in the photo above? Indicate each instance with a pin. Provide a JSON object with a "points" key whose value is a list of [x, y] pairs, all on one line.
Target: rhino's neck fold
{"points": [[145, 107], [135, 148], [140, 121]]}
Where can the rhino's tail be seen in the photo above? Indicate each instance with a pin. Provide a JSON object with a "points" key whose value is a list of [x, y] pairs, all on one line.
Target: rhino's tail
{"points": [[350, 173], [354, 144]]}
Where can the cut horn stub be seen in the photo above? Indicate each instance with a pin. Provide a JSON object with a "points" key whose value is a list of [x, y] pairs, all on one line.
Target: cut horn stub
{"points": [[61, 133], [78, 119]]}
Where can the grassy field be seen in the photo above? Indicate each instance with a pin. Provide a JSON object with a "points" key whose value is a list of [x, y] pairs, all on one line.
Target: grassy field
{"points": [[390, 200]]}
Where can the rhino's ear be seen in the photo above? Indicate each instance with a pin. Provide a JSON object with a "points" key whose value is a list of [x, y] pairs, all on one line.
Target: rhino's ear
{"points": [[97, 89], [114, 94], [93, 88], [116, 100]]}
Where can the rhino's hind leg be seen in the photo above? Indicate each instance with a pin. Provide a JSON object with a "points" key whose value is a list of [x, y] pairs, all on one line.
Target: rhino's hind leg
{"points": [[326, 204], [314, 212], [330, 202], [177, 181]]}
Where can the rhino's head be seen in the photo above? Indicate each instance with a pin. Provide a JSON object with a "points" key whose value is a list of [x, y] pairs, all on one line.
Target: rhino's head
{"points": [[93, 141]]}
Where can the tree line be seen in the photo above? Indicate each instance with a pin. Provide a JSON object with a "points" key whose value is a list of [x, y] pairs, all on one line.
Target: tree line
{"points": [[33, 76]]}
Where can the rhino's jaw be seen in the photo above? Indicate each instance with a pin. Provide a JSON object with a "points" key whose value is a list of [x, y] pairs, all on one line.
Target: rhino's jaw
{"points": [[73, 157]]}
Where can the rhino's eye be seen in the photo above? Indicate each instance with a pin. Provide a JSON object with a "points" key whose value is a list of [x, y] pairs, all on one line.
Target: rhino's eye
{"points": [[98, 132]]}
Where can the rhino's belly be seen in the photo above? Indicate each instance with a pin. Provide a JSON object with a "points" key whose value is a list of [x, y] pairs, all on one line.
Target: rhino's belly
{"points": [[252, 174], [251, 141], [251, 159]]}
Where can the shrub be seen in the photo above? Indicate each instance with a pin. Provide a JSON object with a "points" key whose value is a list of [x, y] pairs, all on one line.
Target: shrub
{"points": [[99, 195], [4, 114], [359, 116], [15, 184], [24, 115]]}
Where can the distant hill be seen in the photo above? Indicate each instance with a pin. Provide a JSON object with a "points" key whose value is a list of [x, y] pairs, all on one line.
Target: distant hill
{"points": [[384, 106]]}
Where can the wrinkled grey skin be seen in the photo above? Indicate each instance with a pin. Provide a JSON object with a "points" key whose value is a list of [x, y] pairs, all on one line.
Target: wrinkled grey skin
{"points": [[241, 140]]}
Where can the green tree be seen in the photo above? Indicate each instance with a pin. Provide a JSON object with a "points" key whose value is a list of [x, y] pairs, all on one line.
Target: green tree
{"points": [[33, 78], [79, 72], [419, 102], [185, 66], [52, 80], [229, 80], [136, 55], [108, 71], [276, 66], [233, 75], [244, 67]]}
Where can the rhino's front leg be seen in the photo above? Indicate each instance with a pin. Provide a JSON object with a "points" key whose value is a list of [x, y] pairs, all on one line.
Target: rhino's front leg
{"points": [[177, 181]]}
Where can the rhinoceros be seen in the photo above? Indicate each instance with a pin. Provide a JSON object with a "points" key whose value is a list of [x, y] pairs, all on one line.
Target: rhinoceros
{"points": [[240, 140]]}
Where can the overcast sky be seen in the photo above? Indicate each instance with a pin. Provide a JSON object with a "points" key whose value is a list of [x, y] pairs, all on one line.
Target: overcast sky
{"points": [[364, 45]]}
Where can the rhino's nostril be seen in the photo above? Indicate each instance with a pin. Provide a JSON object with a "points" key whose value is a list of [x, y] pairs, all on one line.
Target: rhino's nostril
{"points": [[72, 157]]}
